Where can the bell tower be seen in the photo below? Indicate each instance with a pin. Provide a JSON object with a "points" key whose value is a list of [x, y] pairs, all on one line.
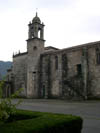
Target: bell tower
{"points": [[35, 47], [36, 29]]}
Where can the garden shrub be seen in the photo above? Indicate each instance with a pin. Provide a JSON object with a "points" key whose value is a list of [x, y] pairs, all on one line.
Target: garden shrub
{"points": [[40, 122]]}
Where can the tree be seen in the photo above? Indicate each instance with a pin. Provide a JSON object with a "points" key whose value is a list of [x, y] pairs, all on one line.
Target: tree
{"points": [[7, 108]]}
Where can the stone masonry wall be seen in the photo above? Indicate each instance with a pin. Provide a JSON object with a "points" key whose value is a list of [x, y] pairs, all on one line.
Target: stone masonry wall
{"points": [[68, 80], [94, 72], [35, 47], [77, 73], [20, 73], [59, 80]]}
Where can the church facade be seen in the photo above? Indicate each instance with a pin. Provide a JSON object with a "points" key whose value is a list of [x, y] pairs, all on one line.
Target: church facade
{"points": [[48, 72]]}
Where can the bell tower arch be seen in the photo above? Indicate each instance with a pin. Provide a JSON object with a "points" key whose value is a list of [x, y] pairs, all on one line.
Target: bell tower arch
{"points": [[36, 28]]}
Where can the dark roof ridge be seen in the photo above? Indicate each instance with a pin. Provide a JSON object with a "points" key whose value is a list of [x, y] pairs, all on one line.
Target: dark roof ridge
{"points": [[90, 44], [51, 47]]}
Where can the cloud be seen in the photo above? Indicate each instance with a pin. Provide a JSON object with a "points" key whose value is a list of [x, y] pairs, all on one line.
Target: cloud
{"points": [[91, 25], [55, 3], [68, 22]]}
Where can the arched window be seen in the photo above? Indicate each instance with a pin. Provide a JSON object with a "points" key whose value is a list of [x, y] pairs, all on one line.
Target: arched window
{"points": [[39, 32], [56, 62], [98, 56]]}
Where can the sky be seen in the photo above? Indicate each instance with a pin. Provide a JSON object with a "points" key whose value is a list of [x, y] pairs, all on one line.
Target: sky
{"points": [[67, 23]]}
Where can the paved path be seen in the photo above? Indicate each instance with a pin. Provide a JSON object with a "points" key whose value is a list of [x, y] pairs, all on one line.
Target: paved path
{"points": [[88, 110]]}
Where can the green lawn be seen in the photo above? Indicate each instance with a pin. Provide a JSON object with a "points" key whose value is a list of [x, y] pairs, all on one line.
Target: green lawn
{"points": [[38, 122]]}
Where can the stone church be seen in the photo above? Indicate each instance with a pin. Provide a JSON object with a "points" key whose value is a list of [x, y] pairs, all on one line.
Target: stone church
{"points": [[49, 72]]}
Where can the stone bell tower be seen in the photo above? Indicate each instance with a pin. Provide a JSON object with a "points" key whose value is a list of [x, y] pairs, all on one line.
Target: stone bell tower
{"points": [[36, 29], [35, 46]]}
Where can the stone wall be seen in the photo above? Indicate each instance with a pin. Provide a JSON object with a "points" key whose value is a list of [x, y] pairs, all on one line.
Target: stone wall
{"points": [[94, 72], [76, 76], [35, 47], [20, 73], [58, 71], [67, 73]]}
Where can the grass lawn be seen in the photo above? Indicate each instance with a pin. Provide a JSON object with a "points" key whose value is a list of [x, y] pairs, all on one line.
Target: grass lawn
{"points": [[39, 122]]}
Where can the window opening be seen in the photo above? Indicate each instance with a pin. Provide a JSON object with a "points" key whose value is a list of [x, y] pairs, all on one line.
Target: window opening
{"points": [[79, 69], [98, 56], [39, 31], [43, 90], [34, 48], [56, 62]]}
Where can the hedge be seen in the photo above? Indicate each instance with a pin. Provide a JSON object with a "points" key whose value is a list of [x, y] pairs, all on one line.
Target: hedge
{"points": [[40, 122]]}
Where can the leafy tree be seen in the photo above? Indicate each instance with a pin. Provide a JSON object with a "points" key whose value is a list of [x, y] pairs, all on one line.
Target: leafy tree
{"points": [[7, 107]]}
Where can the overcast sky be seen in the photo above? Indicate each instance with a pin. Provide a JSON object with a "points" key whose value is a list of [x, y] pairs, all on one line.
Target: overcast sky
{"points": [[67, 23]]}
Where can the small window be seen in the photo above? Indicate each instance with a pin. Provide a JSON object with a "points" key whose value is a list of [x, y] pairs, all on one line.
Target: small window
{"points": [[98, 58], [43, 90], [79, 69], [34, 48], [34, 72], [56, 62], [39, 33], [33, 75]]}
